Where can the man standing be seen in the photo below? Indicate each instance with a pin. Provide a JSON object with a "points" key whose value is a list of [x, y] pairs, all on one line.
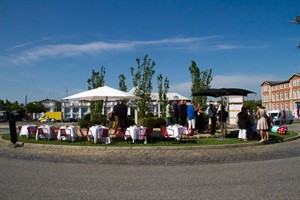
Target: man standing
{"points": [[176, 112], [191, 115], [213, 119], [169, 114], [116, 117], [122, 112], [182, 112], [12, 128]]}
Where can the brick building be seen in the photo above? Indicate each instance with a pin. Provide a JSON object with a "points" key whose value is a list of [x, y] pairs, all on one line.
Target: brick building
{"points": [[282, 95]]}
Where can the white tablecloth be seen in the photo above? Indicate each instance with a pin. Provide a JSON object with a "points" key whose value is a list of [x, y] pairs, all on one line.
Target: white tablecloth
{"points": [[70, 130], [176, 131], [46, 129], [97, 131], [24, 130], [136, 133]]}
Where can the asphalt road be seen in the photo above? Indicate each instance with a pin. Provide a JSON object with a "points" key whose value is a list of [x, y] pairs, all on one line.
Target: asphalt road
{"points": [[248, 172]]}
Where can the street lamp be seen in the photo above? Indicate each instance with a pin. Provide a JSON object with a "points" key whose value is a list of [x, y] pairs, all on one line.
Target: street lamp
{"points": [[297, 21]]}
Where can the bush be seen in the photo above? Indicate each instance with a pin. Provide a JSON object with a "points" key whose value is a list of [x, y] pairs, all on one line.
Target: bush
{"points": [[160, 122], [153, 122], [98, 120], [84, 123]]}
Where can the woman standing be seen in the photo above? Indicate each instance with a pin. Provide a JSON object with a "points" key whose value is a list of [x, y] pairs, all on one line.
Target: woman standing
{"points": [[262, 124], [200, 118]]}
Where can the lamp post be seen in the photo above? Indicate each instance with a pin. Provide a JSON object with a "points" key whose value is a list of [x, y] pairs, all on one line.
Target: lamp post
{"points": [[297, 21]]}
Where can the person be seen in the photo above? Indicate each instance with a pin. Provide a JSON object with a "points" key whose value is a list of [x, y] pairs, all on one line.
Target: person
{"points": [[116, 116], [12, 128], [250, 123], [169, 113], [243, 118], [182, 112], [200, 118], [270, 124], [213, 119], [191, 115], [122, 112], [223, 115], [262, 124], [176, 112]]}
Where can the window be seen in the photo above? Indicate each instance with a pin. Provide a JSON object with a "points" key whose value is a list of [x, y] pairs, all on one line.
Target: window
{"points": [[281, 96], [273, 97], [286, 96], [277, 96], [286, 105], [282, 106]]}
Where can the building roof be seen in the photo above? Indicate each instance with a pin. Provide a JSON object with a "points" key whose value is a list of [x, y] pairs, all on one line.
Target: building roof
{"points": [[170, 95], [272, 83]]}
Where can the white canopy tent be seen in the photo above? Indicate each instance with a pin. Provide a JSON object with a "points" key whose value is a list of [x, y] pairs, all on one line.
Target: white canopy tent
{"points": [[101, 93]]}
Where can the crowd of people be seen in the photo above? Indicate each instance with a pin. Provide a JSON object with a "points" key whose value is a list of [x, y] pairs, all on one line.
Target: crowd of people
{"points": [[188, 114], [192, 116]]}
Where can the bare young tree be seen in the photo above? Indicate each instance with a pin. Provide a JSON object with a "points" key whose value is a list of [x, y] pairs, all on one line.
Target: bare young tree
{"points": [[142, 81]]}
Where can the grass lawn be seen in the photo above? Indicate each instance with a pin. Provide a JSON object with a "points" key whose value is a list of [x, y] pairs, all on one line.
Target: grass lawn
{"points": [[119, 142]]}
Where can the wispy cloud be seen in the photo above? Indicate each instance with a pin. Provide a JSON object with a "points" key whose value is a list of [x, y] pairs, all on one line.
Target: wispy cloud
{"points": [[230, 46], [64, 50]]}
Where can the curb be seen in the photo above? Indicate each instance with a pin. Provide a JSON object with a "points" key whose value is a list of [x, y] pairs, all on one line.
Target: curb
{"points": [[221, 146]]}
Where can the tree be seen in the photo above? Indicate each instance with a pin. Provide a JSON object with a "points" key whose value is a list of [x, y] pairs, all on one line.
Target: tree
{"points": [[142, 81], [122, 84], [200, 80], [97, 80], [35, 107], [251, 104], [162, 93]]}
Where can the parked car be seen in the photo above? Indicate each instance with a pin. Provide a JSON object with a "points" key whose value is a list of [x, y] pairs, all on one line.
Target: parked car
{"points": [[281, 116], [69, 119]]}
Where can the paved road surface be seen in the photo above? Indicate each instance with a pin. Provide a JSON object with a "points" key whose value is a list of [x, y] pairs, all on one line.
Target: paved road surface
{"points": [[248, 172]]}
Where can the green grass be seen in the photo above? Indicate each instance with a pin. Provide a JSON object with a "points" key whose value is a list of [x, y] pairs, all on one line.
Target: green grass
{"points": [[119, 142]]}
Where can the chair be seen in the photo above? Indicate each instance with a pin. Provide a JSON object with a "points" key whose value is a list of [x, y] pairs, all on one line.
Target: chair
{"points": [[147, 133], [164, 132], [188, 134], [31, 131], [54, 131], [43, 132], [65, 133], [82, 135]]}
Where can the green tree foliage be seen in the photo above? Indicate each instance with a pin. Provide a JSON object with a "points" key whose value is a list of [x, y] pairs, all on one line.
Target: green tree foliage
{"points": [[142, 81], [251, 104], [200, 80], [162, 92], [97, 80], [122, 84], [35, 107]]}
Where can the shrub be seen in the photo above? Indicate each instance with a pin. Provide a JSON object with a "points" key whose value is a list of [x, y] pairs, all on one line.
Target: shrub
{"points": [[99, 120], [84, 123], [160, 122], [153, 122]]}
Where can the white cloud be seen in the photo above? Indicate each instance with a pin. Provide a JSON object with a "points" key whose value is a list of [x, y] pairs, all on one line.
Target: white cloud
{"points": [[63, 50]]}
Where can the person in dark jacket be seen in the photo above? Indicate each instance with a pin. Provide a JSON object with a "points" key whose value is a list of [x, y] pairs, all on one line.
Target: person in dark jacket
{"points": [[223, 115], [182, 112], [122, 112], [176, 112], [243, 119], [12, 128]]}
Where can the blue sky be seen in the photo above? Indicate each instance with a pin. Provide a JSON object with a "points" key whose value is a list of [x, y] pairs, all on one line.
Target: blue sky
{"points": [[48, 48]]}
